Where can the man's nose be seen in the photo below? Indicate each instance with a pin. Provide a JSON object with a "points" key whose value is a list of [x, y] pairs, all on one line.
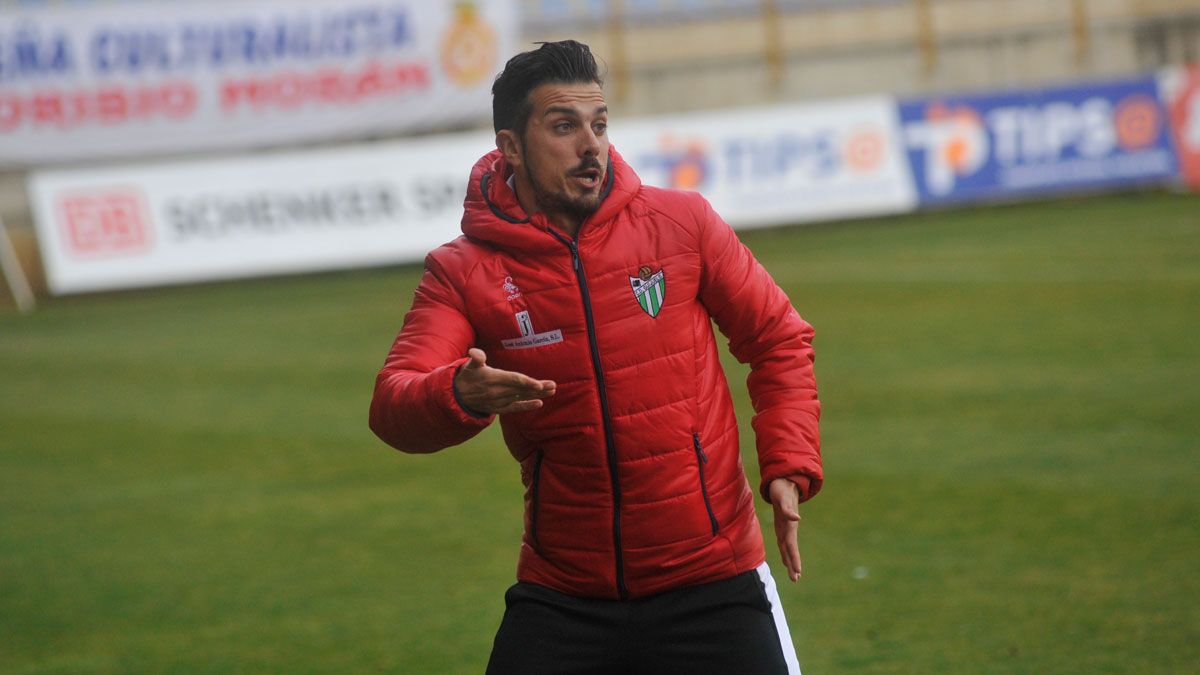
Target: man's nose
{"points": [[590, 144]]}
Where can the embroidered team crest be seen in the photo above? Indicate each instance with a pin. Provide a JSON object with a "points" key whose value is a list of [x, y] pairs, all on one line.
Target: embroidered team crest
{"points": [[649, 288]]}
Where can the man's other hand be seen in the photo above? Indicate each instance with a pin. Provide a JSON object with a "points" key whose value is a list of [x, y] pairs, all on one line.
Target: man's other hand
{"points": [[487, 390], [785, 498]]}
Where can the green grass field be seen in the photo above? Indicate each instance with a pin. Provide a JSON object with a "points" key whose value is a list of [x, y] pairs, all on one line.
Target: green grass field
{"points": [[1011, 438]]}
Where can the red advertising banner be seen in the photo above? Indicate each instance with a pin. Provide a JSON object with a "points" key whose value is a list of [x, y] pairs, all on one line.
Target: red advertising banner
{"points": [[1180, 89]]}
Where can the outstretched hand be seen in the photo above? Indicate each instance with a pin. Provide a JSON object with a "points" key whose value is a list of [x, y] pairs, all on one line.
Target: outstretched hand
{"points": [[785, 498], [488, 390]]}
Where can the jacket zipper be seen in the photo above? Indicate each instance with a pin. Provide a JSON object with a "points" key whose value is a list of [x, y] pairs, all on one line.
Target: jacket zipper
{"points": [[701, 460], [533, 515], [610, 445]]}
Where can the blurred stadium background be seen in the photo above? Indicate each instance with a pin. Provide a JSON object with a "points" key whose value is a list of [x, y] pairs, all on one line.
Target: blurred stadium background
{"points": [[1011, 376]]}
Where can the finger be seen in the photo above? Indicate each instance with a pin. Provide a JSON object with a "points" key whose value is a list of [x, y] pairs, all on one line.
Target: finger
{"points": [[478, 359], [789, 563], [519, 407], [508, 383], [794, 566], [785, 538], [791, 552], [500, 396], [520, 380]]}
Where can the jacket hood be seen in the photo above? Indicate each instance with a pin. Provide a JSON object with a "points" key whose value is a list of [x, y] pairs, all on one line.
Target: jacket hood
{"points": [[491, 212]]}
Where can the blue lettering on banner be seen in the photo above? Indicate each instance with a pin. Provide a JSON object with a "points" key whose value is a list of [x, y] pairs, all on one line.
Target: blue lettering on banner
{"points": [[359, 32], [759, 159], [1038, 141], [27, 54], [780, 158], [40, 49]]}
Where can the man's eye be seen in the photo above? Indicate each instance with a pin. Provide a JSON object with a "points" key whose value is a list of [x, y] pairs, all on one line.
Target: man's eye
{"points": [[600, 128], [563, 126]]}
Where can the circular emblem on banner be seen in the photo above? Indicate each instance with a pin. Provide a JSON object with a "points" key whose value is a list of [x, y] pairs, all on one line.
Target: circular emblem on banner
{"points": [[468, 46], [864, 150], [1137, 122]]}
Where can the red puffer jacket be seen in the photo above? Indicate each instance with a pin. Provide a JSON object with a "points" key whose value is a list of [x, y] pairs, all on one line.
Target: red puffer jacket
{"points": [[633, 480]]}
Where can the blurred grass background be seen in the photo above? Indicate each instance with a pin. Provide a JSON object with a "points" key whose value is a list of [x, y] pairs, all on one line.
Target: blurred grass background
{"points": [[1011, 427]]}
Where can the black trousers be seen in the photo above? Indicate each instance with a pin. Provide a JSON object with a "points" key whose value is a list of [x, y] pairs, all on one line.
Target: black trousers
{"points": [[729, 627]]}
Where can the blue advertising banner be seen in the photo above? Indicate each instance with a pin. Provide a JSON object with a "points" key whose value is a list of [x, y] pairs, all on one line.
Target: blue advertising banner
{"points": [[1030, 142]]}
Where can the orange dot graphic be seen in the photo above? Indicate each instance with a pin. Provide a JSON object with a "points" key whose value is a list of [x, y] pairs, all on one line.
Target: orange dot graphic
{"points": [[1137, 121]]}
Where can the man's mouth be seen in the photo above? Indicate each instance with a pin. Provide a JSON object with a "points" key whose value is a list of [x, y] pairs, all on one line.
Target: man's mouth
{"points": [[588, 178]]}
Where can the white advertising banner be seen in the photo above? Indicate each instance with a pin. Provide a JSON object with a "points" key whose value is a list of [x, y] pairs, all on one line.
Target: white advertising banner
{"points": [[143, 225], [779, 165], [80, 82], [148, 225]]}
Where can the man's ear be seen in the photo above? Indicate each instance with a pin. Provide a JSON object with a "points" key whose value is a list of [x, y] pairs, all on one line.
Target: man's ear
{"points": [[510, 147]]}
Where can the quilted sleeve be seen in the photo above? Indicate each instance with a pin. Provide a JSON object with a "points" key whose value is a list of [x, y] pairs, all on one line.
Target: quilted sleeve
{"points": [[765, 331], [415, 408]]}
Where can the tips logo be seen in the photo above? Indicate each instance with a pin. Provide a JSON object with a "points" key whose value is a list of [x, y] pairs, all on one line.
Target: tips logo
{"points": [[469, 46], [683, 162], [955, 143]]}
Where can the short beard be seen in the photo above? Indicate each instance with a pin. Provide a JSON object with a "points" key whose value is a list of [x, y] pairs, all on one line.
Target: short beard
{"points": [[577, 209]]}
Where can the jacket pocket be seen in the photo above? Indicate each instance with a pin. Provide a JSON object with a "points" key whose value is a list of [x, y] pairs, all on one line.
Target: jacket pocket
{"points": [[534, 484], [701, 460]]}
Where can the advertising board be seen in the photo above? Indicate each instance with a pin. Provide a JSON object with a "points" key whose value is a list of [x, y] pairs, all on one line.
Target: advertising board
{"points": [[1181, 94], [120, 227], [88, 81], [778, 165], [1030, 142], [151, 224]]}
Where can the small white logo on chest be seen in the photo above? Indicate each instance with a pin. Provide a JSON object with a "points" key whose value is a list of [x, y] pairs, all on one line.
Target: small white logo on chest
{"points": [[529, 338], [510, 289]]}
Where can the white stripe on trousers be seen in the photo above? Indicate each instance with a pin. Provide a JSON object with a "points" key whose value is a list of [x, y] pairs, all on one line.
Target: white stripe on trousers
{"points": [[781, 627]]}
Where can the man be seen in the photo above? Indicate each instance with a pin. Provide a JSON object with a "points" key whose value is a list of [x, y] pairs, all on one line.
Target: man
{"points": [[577, 308]]}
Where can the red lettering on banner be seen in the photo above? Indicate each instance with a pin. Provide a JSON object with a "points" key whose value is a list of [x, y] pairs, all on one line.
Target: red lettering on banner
{"points": [[104, 223], [10, 113], [109, 105], [112, 106], [328, 85], [369, 82], [47, 110], [177, 99], [292, 90]]}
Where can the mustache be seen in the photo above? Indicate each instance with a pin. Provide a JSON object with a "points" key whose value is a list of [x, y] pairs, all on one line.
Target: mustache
{"points": [[587, 164]]}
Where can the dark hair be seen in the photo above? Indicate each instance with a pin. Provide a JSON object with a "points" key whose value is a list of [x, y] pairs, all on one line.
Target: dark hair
{"points": [[567, 62]]}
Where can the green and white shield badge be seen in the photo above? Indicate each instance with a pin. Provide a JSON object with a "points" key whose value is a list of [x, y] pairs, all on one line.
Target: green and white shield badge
{"points": [[649, 289]]}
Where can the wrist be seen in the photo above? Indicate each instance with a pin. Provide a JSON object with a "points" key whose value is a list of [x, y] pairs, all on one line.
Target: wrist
{"points": [[458, 397]]}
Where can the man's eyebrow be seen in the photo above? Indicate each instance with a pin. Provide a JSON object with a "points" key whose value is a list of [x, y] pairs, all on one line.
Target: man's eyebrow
{"points": [[602, 110], [560, 109]]}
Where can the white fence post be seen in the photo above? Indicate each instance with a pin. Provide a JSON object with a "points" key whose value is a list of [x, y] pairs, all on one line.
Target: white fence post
{"points": [[13, 273]]}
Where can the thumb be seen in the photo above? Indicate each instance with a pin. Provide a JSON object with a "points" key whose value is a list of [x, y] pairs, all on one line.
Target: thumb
{"points": [[478, 359]]}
